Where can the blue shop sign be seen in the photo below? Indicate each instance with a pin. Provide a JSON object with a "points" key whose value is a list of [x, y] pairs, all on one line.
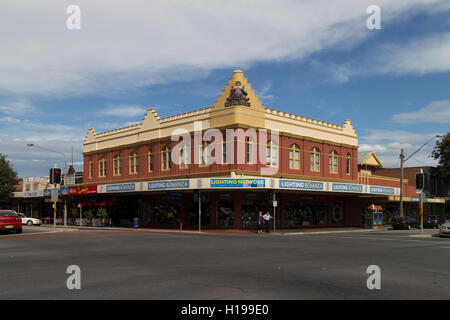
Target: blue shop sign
{"points": [[172, 184], [343, 187], [301, 185], [381, 190], [238, 183], [121, 187]]}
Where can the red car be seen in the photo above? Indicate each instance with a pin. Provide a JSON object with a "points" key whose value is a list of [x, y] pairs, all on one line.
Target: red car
{"points": [[10, 221]]}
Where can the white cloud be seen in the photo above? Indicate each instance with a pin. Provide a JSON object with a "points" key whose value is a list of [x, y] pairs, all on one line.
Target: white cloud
{"points": [[435, 112], [139, 43], [9, 120], [424, 55], [19, 106], [387, 144], [124, 111]]}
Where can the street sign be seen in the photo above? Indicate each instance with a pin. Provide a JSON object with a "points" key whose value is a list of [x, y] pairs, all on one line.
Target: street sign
{"points": [[275, 204], [54, 194]]}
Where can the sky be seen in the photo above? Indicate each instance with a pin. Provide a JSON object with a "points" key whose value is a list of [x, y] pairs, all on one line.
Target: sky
{"points": [[312, 58]]}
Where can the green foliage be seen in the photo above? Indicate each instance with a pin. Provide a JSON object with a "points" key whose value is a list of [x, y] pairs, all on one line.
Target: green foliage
{"points": [[442, 153], [88, 214], [102, 213], [8, 178], [75, 213]]}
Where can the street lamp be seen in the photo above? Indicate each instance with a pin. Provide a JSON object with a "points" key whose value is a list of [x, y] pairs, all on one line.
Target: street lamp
{"points": [[65, 173], [402, 161]]}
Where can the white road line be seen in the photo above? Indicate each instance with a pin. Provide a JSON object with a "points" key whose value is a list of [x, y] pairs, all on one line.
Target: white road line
{"points": [[387, 239]]}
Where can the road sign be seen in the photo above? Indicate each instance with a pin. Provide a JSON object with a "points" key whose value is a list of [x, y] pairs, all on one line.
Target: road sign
{"points": [[54, 194]]}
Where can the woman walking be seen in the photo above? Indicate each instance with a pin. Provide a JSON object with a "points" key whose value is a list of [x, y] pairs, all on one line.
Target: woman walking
{"points": [[260, 222]]}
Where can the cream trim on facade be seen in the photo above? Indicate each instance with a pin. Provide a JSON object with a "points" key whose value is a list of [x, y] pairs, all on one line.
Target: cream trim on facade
{"points": [[154, 128]]}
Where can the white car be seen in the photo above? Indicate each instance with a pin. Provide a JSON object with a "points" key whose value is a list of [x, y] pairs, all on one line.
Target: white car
{"points": [[444, 230], [30, 221]]}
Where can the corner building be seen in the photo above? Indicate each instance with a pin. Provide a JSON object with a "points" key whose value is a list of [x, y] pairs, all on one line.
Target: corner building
{"points": [[311, 171]]}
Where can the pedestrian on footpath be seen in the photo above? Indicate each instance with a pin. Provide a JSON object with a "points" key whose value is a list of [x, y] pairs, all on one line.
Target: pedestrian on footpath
{"points": [[267, 217], [260, 222]]}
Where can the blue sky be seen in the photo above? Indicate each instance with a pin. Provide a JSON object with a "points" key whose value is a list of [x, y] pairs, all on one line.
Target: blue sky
{"points": [[305, 57]]}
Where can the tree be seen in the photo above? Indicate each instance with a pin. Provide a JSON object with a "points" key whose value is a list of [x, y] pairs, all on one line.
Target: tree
{"points": [[441, 152], [8, 178]]}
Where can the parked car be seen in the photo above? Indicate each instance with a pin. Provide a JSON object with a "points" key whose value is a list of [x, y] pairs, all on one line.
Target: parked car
{"points": [[10, 221], [405, 223], [431, 222], [444, 230], [29, 221]]}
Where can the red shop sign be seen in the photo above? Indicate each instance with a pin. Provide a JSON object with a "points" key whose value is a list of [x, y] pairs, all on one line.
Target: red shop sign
{"points": [[83, 190]]}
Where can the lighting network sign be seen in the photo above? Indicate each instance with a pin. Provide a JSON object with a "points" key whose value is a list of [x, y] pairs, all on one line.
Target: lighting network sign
{"points": [[238, 183]]}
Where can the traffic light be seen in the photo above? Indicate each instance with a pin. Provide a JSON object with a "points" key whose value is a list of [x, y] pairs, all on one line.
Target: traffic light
{"points": [[419, 181], [55, 176]]}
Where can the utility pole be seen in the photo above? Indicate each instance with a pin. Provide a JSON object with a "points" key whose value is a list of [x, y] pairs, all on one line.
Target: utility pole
{"points": [[402, 159], [274, 212], [199, 211]]}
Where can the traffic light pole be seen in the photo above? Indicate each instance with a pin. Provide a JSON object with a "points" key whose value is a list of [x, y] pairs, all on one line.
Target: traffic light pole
{"points": [[402, 161]]}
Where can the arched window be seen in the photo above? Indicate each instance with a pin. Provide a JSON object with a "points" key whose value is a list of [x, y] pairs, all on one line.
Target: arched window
{"points": [[204, 154], [117, 165], [348, 161], [90, 169], [102, 167], [134, 163], [333, 163], [271, 154], [250, 159], [224, 152], [294, 157], [315, 159], [150, 160], [184, 157], [165, 158]]}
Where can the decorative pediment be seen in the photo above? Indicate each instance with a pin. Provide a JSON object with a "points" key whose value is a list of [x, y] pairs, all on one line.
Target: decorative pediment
{"points": [[238, 92]]}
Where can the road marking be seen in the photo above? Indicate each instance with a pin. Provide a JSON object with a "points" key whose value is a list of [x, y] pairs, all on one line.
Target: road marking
{"points": [[385, 239]]}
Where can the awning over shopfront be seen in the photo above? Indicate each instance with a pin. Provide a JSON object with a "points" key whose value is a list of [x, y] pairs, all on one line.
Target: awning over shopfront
{"points": [[103, 203]]}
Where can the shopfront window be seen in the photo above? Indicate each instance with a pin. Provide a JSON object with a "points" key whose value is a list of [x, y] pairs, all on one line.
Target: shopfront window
{"points": [[250, 210], [225, 213], [305, 213], [337, 213], [193, 212], [161, 213]]}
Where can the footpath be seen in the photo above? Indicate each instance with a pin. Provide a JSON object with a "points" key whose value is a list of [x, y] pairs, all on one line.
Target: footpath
{"points": [[286, 232]]}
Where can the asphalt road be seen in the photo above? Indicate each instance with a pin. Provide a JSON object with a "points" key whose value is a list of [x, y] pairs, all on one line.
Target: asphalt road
{"points": [[145, 265]]}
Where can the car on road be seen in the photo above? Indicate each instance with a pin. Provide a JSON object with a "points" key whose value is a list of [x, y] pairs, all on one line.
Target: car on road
{"points": [[431, 222], [10, 221], [405, 223], [444, 230], [29, 221]]}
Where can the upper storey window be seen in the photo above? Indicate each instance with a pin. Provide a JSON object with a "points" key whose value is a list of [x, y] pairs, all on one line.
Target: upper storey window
{"points": [[165, 158], [102, 167], [271, 154], [348, 160], [294, 157], [117, 165], [134, 163], [333, 162], [150, 160], [315, 159]]}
